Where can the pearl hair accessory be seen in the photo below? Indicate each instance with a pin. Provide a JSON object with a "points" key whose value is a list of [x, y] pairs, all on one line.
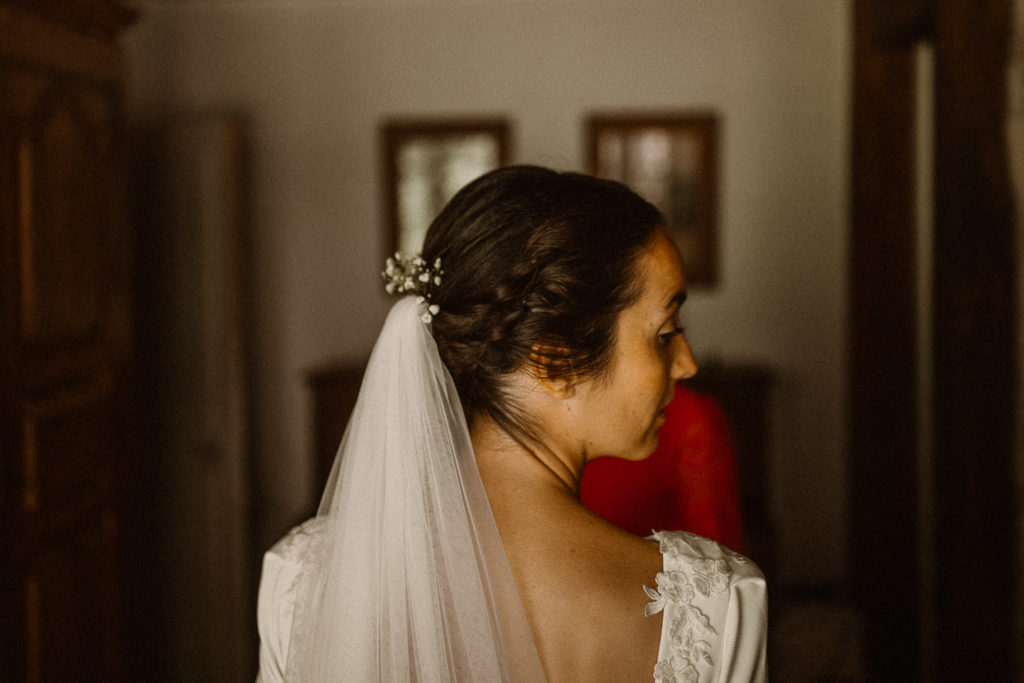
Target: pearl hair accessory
{"points": [[412, 275]]}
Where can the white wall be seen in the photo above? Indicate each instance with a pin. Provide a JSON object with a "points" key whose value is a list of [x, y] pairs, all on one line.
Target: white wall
{"points": [[315, 79]]}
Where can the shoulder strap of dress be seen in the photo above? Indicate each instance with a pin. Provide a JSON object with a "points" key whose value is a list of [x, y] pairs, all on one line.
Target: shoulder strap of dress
{"points": [[714, 622]]}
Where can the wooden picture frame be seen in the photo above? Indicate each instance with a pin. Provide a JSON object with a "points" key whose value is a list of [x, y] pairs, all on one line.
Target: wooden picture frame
{"points": [[670, 160], [426, 162]]}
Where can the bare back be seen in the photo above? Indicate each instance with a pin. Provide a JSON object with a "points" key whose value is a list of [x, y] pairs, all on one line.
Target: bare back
{"points": [[580, 580]]}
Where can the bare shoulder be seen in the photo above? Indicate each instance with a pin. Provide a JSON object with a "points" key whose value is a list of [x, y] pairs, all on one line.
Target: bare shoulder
{"points": [[582, 584]]}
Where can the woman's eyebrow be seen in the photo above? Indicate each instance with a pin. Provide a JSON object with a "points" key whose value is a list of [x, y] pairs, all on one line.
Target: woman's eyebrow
{"points": [[678, 299]]}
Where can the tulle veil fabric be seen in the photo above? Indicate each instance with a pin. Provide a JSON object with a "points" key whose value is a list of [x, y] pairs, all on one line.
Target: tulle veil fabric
{"points": [[409, 580]]}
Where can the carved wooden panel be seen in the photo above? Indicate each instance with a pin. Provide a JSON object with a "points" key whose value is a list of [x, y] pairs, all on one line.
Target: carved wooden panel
{"points": [[70, 616], [67, 441], [64, 342], [65, 186]]}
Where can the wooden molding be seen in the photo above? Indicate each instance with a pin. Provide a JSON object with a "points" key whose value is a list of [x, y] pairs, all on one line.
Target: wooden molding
{"points": [[27, 38]]}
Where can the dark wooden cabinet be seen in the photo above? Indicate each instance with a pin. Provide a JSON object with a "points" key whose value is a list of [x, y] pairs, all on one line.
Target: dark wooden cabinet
{"points": [[334, 390], [65, 342], [745, 394]]}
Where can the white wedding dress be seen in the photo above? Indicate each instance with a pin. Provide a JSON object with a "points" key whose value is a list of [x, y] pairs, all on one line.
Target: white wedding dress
{"points": [[712, 600]]}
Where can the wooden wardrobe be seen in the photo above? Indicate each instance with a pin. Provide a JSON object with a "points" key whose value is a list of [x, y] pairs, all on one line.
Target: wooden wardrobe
{"points": [[65, 342]]}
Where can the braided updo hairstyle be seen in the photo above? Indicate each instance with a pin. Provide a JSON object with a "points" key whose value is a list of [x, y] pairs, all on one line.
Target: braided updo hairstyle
{"points": [[537, 267]]}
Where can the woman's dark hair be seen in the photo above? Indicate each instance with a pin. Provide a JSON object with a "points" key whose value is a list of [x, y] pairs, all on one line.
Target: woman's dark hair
{"points": [[537, 267]]}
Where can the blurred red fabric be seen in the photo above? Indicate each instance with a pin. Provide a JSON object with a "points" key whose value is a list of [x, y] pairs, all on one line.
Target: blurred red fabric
{"points": [[689, 483]]}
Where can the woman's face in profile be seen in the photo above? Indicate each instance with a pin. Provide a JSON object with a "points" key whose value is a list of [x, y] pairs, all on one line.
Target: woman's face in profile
{"points": [[619, 412]]}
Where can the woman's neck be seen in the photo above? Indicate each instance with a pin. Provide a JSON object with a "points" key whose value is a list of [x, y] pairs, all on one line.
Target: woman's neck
{"points": [[503, 460]]}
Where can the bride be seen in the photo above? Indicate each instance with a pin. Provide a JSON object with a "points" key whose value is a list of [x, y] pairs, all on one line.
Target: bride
{"points": [[537, 331]]}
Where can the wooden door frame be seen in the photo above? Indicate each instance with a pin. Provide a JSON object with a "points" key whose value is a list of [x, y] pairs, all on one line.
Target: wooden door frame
{"points": [[974, 343], [974, 401], [884, 538]]}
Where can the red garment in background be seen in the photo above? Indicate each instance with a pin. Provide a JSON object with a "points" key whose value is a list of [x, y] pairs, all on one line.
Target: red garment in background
{"points": [[689, 482]]}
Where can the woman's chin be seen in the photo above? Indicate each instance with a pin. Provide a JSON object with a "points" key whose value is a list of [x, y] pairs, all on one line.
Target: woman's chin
{"points": [[645, 450]]}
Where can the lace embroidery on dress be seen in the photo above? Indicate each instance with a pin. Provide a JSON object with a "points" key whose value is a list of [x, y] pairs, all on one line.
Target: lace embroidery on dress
{"points": [[687, 591]]}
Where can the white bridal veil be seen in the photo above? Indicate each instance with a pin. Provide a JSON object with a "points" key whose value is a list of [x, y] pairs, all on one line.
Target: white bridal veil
{"points": [[407, 579]]}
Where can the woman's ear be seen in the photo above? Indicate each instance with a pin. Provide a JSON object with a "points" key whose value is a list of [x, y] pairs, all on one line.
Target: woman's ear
{"points": [[550, 365]]}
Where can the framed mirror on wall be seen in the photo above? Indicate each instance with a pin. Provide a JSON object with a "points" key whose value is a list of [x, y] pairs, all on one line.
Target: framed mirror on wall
{"points": [[671, 161], [425, 163]]}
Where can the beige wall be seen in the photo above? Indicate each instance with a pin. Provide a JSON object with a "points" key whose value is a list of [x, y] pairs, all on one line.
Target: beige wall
{"points": [[315, 78]]}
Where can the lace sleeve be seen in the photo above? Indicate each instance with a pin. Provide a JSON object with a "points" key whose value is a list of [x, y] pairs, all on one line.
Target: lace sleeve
{"points": [[714, 602]]}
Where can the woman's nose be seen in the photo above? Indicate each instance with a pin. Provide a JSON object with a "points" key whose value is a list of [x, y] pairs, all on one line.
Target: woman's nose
{"points": [[683, 364]]}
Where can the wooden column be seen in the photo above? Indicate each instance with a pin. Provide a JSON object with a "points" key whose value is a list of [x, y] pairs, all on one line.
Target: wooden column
{"points": [[974, 345], [883, 355]]}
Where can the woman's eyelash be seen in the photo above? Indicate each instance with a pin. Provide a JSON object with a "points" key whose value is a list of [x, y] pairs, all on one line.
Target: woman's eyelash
{"points": [[666, 336]]}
